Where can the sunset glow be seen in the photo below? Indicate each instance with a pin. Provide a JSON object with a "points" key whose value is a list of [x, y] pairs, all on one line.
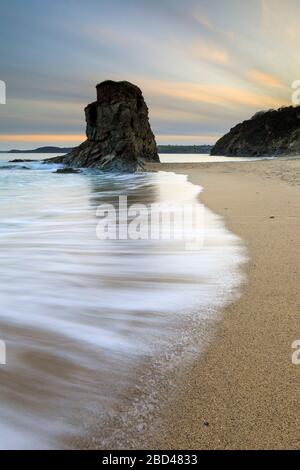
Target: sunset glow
{"points": [[200, 72], [41, 138]]}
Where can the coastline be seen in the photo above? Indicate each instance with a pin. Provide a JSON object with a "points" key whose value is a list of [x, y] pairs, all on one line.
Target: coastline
{"points": [[217, 271], [242, 392]]}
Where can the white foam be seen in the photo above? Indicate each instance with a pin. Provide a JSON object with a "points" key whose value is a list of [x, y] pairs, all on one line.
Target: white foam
{"points": [[92, 306]]}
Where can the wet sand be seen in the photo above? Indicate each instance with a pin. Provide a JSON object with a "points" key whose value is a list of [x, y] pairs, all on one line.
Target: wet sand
{"points": [[243, 392]]}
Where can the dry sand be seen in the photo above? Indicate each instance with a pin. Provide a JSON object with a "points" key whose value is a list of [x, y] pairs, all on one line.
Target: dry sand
{"points": [[244, 392]]}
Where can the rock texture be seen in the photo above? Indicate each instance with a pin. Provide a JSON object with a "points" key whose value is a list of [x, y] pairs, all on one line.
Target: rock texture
{"points": [[119, 136], [267, 133], [66, 171]]}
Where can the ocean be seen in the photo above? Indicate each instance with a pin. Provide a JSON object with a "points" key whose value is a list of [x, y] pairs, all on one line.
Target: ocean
{"points": [[89, 323]]}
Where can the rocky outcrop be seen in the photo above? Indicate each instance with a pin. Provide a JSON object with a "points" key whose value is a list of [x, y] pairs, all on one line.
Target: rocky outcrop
{"points": [[119, 136], [66, 171], [267, 133]]}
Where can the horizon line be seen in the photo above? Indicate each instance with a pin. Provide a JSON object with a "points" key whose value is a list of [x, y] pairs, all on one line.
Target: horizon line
{"points": [[74, 139]]}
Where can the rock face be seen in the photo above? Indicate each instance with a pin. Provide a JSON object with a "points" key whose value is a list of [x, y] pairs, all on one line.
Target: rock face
{"points": [[267, 133], [119, 136]]}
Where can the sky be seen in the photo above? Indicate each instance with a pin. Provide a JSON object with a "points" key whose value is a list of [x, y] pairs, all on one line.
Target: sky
{"points": [[203, 65]]}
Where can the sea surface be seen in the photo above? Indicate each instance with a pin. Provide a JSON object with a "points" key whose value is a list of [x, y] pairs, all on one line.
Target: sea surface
{"points": [[164, 157], [81, 315], [205, 158]]}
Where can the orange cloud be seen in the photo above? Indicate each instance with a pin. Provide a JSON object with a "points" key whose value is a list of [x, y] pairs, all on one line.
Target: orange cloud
{"points": [[210, 53], [264, 79], [219, 95], [292, 33], [204, 21], [175, 115]]}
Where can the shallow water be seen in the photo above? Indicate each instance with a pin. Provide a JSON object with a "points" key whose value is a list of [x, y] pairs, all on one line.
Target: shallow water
{"points": [[164, 158], [205, 158], [77, 313]]}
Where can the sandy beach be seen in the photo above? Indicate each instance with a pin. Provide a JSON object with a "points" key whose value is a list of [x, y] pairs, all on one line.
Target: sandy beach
{"points": [[243, 391]]}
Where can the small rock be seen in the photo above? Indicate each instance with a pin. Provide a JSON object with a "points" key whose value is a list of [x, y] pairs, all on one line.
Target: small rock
{"points": [[66, 170], [140, 427], [18, 160], [206, 423]]}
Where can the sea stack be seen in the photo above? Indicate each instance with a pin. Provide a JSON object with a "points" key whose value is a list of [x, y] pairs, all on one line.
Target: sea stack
{"points": [[119, 136], [267, 133]]}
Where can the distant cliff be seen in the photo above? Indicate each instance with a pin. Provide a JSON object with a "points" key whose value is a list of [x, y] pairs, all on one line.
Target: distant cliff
{"points": [[41, 150], [192, 149], [267, 133]]}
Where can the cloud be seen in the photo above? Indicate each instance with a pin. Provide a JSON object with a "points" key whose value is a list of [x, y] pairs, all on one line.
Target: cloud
{"points": [[220, 95], [210, 53], [203, 65], [262, 78], [292, 33], [204, 22], [170, 114]]}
